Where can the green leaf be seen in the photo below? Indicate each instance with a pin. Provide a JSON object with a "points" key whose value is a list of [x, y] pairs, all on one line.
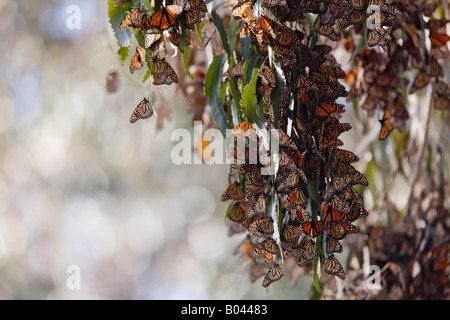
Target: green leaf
{"points": [[147, 4], [236, 94], [249, 100], [198, 29], [232, 203], [186, 61], [318, 253], [116, 15], [212, 91], [232, 32], [249, 66], [147, 74], [236, 115], [222, 33], [245, 47], [123, 53], [360, 46]]}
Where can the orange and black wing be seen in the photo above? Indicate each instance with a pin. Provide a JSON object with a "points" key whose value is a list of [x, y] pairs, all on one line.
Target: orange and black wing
{"points": [[275, 273], [386, 126], [144, 110], [163, 73], [138, 59], [164, 18], [334, 267], [313, 228], [133, 19], [233, 192]]}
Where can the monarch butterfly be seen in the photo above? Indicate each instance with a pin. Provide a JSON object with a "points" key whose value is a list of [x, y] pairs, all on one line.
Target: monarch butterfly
{"points": [[265, 92], [308, 161], [400, 110], [259, 27], [386, 127], [330, 214], [438, 39], [339, 229], [233, 192], [324, 25], [353, 17], [138, 59], [184, 4], [134, 19], [254, 186], [154, 43], [245, 248], [421, 80], [313, 228], [262, 226], [345, 156], [164, 18], [197, 4], [268, 245], [378, 36], [193, 17], [286, 179], [326, 109], [284, 140], [334, 267], [259, 207], [295, 199], [243, 10], [337, 183], [234, 72], [357, 4], [341, 204], [143, 110], [333, 245], [236, 213], [275, 273], [286, 60], [307, 254], [286, 37], [269, 256], [283, 50], [290, 233], [333, 71], [151, 38], [163, 72], [435, 68], [274, 3], [267, 76], [441, 102], [355, 214], [208, 32]]}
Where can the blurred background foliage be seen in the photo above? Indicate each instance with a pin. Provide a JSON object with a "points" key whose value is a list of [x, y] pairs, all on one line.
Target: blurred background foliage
{"points": [[80, 185]]}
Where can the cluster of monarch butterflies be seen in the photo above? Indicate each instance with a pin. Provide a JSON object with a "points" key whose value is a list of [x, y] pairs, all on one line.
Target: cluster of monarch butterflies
{"points": [[161, 26], [310, 204], [307, 208], [421, 47]]}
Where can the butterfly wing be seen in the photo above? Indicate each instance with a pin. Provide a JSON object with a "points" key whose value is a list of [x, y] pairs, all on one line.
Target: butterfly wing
{"points": [[386, 126], [144, 110], [138, 59]]}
